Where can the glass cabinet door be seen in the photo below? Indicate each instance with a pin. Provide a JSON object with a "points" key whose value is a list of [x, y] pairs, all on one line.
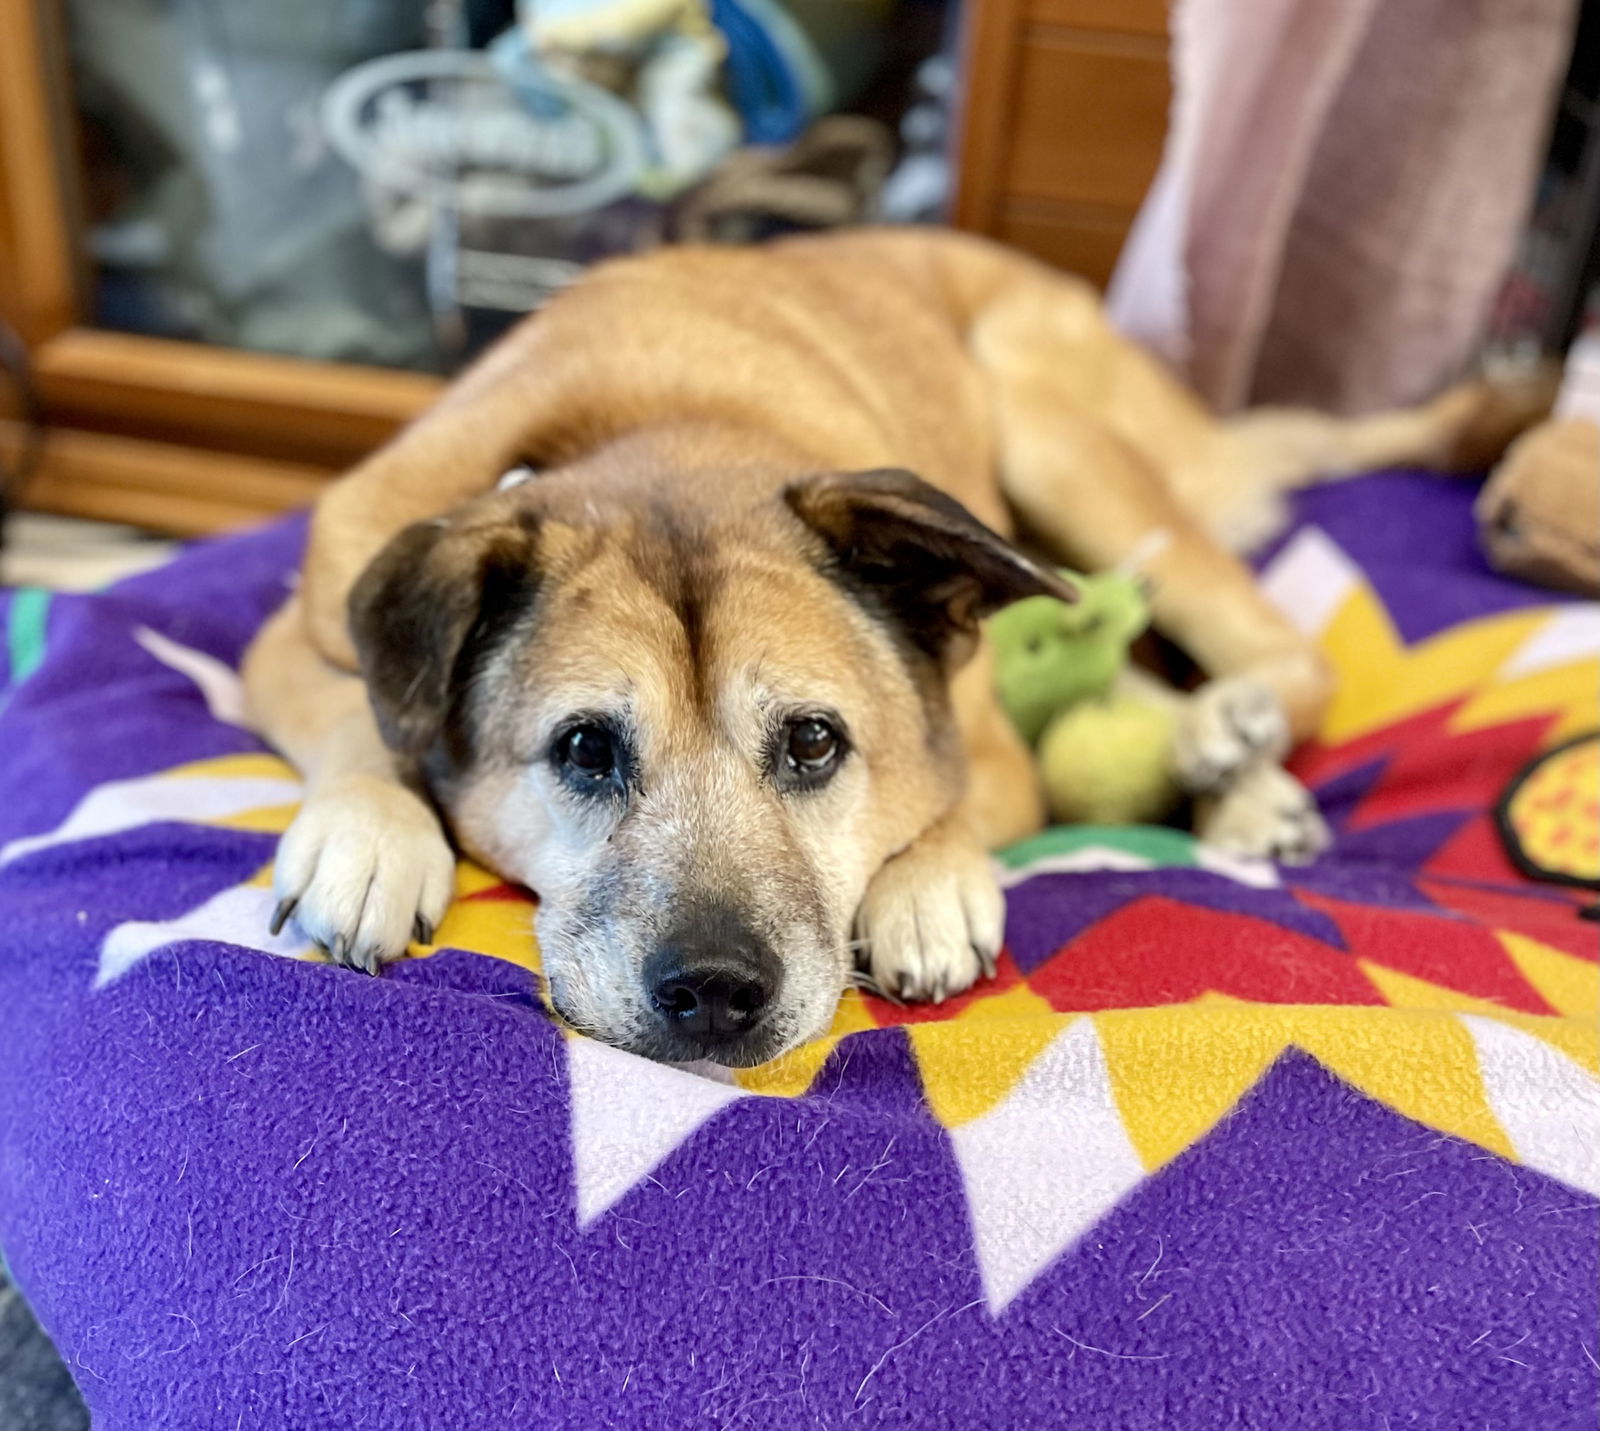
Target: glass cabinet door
{"points": [[392, 182]]}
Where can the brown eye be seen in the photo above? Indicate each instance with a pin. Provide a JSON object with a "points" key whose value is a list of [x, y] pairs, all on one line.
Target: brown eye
{"points": [[813, 745], [587, 749]]}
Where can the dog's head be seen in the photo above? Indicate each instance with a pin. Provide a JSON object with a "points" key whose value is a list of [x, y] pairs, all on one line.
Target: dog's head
{"points": [[695, 731]]}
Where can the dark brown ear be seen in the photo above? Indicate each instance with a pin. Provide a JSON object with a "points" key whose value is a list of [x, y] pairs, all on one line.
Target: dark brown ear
{"points": [[426, 607], [918, 552]]}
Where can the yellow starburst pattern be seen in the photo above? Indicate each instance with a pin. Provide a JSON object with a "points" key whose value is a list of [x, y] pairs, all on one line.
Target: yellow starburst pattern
{"points": [[1578, 1039], [489, 917], [1381, 680], [250, 765], [1569, 693], [969, 1063], [1565, 983], [795, 1072], [1177, 1071]]}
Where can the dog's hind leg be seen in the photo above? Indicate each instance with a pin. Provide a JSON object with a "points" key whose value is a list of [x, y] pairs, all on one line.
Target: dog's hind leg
{"points": [[1235, 477], [365, 867], [1092, 500]]}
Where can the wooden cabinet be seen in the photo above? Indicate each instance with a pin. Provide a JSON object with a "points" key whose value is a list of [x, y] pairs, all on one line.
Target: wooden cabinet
{"points": [[1065, 113], [1064, 107], [1102, 92]]}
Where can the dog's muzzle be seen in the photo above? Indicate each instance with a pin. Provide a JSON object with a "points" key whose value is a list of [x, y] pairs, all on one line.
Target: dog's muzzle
{"points": [[711, 985]]}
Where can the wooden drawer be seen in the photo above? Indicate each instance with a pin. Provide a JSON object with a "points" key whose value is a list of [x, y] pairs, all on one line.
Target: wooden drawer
{"points": [[1130, 17], [1089, 116], [1080, 240]]}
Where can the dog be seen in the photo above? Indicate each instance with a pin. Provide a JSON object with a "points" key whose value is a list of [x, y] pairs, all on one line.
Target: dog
{"points": [[711, 680]]}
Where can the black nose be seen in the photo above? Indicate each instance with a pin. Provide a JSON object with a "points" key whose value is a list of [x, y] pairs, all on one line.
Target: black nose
{"points": [[711, 1001], [712, 980]]}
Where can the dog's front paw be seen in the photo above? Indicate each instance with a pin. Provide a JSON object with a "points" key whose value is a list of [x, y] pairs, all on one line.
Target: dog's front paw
{"points": [[933, 917], [1268, 813], [1226, 725], [363, 870]]}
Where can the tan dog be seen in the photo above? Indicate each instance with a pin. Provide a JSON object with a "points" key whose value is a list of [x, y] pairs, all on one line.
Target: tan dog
{"points": [[711, 683]]}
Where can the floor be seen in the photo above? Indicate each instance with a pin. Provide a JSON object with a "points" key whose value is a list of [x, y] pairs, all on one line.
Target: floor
{"points": [[36, 1389]]}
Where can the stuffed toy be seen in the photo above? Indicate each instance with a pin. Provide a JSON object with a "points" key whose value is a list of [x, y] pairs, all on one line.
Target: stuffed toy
{"points": [[1104, 752]]}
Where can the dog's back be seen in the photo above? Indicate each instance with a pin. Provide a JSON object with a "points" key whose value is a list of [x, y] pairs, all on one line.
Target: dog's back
{"points": [[846, 352]]}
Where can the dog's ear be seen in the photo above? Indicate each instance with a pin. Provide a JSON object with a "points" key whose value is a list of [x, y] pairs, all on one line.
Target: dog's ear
{"points": [[918, 552], [424, 608]]}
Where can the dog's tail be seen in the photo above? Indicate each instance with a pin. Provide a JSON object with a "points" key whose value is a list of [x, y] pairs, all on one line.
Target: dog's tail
{"points": [[1268, 452]]}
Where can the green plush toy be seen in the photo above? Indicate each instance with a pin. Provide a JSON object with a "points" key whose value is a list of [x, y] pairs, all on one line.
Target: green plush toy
{"points": [[1105, 755]]}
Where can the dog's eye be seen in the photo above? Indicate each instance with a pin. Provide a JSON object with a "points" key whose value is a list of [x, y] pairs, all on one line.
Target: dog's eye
{"points": [[812, 746], [588, 750]]}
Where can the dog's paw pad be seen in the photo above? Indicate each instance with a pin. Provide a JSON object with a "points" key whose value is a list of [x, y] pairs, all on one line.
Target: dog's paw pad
{"points": [[1269, 814], [1226, 725], [363, 870], [932, 921]]}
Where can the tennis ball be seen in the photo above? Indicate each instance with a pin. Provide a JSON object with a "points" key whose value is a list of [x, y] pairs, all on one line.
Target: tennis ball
{"points": [[1109, 762]]}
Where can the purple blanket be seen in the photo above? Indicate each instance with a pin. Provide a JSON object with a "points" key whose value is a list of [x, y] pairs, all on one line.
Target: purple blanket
{"points": [[1223, 1146]]}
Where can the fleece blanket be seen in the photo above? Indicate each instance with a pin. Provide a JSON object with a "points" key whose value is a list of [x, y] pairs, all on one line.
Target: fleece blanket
{"points": [[1224, 1144]]}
